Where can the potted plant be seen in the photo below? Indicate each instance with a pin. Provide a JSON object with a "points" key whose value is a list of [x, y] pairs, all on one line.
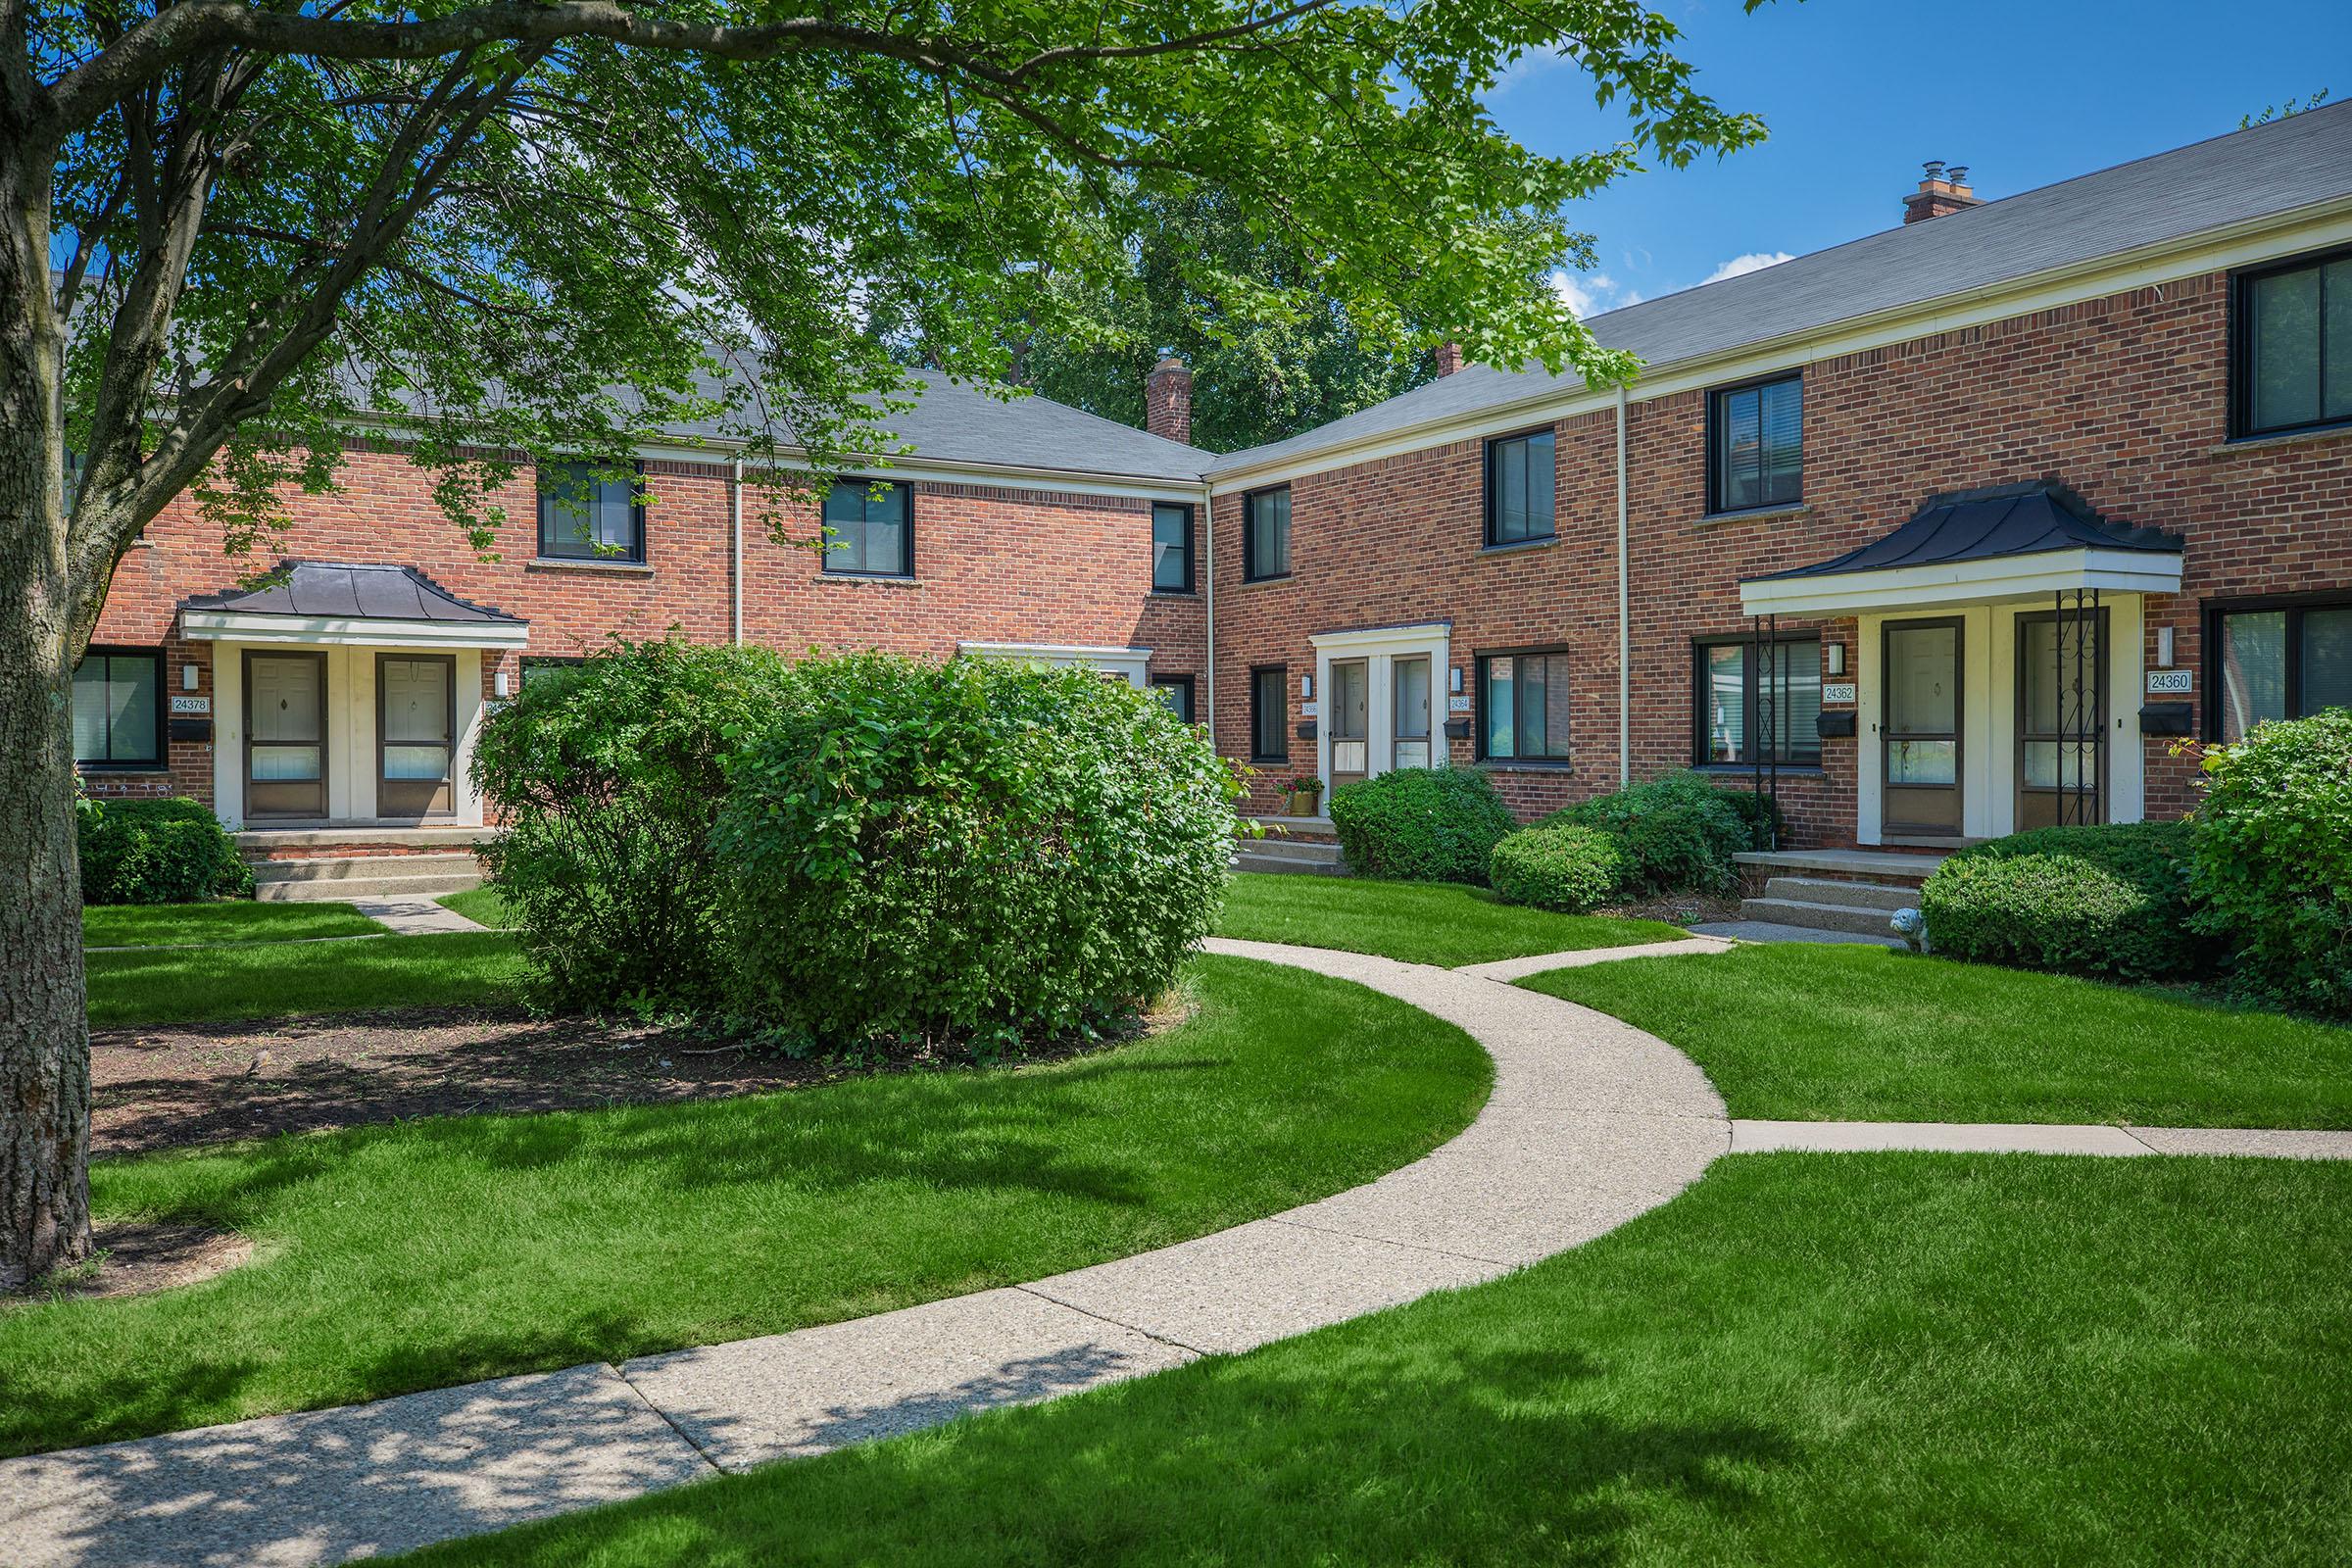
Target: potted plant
{"points": [[1302, 796]]}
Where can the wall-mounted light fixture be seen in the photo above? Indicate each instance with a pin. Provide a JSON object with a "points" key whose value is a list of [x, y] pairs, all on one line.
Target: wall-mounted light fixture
{"points": [[497, 683], [1836, 653], [1307, 686], [188, 677], [1453, 680], [2164, 648]]}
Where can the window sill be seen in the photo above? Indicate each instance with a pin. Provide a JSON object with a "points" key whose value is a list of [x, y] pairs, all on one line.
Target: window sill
{"points": [[633, 568], [1175, 593], [1785, 508], [1750, 769], [896, 578], [1283, 761], [1253, 582], [126, 769], [2284, 438], [1515, 546], [1512, 764]]}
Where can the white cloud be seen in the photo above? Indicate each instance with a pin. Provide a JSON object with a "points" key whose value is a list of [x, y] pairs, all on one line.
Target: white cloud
{"points": [[1592, 293], [1752, 262]]}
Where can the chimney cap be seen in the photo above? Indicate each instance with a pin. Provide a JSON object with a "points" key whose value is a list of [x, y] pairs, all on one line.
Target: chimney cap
{"points": [[1170, 359]]}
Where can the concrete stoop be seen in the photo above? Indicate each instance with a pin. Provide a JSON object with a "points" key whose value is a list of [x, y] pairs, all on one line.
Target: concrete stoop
{"points": [[310, 865], [1860, 909], [1288, 857]]}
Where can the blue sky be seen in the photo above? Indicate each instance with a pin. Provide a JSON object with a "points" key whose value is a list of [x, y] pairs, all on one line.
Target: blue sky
{"points": [[1857, 93]]}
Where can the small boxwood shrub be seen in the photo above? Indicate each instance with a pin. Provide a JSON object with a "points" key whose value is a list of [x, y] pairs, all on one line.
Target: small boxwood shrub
{"points": [[1678, 832], [2109, 901], [609, 775], [1566, 867], [2271, 864], [971, 854], [158, 851], [1421, 824]]}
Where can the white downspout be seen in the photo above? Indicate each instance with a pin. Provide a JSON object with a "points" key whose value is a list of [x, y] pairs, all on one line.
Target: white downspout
{"points": [[1625, 617], [1208, 579], [735, 545]]}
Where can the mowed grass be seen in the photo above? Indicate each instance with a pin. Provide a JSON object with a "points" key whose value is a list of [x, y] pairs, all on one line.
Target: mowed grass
{"points": [[1414, 922], [1808, 1031], [1822, 1360], [434, 1252], [262, 980], [485, 906], [148, 925]]}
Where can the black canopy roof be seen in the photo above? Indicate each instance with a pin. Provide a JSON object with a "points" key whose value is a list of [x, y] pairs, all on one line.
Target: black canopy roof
{"points": [[352, 592], [2011, 520]]}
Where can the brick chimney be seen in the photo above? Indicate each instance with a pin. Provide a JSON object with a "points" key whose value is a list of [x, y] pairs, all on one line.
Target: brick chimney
{"points": [[1943, 191], [1168, 400], [1449, 358]]}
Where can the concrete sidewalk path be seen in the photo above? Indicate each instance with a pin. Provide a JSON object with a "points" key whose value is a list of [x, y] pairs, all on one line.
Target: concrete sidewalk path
{"points": [[2036, 1137], [1591, 1123], [410, 917], [1578, 957]]}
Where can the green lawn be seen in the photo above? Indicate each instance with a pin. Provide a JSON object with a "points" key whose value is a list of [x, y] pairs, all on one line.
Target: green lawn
{"points": [[150, 925], [1808, 1031], [485, 906], [1416, 922], [433, 1253], [186, 985], [1819, 1359]]}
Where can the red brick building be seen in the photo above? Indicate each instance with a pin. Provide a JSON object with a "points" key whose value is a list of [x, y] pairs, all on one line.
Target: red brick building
{"points": [[1955, 529]]}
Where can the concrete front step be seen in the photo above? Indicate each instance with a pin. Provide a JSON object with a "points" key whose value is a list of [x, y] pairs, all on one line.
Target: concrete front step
{"points": [[1885, 866], [263, 841], [1257, 858], [330, 890], [1289, 848], [358, 867], [1855, 918], [1854, 895]]}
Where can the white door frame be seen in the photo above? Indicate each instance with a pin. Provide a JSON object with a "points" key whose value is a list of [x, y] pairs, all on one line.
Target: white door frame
{"points": [[1380, 647]]}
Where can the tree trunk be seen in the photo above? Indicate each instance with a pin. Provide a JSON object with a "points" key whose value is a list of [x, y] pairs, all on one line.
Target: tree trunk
{"points": [[44, 1028]]}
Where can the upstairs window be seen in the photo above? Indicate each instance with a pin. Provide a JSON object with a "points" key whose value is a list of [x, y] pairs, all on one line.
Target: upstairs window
{"points": [[591, 511], [870, 528], [1523, 706], [1519, 488], [1171, 548], [2278, 661], [119, 708], [1756, 445], [2294, 336], [1267, 534], [1269, 713], [1728, 708]]}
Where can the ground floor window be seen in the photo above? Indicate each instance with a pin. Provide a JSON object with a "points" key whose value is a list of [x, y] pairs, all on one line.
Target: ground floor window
{"points": [[1523, 705], [119, 708], [1728, 710], [1269, 713], [1177, 691], [2275, 659], [536, 666]]}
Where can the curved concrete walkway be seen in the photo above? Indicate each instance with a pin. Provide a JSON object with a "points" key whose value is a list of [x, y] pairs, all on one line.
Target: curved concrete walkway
{"points": [[1591, 1123]]}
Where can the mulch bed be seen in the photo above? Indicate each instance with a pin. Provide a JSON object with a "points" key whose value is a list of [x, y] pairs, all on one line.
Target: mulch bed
{"points": [[1679, 909], [159, 1086]]}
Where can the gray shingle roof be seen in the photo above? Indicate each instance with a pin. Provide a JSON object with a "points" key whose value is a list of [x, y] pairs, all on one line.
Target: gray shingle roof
{"points": [[2266, 169], [364, 592]]}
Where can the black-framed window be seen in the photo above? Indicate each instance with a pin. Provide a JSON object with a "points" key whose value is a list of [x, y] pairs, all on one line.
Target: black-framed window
{"points": [[2275, 658], [1523, 705], [1727, 710], [592, 512], [870, 528], [1519, 488], [1171, 548], [1756, 444], [1269, 712], [1177, 691], [536, 666], [119, 708], [1267, 534], [2291, 343]]}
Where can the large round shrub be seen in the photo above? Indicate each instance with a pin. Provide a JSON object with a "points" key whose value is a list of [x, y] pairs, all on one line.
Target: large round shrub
{"points": [[1678, 832], [1565, 867], [972, 852], [1421, 824], [2272, 865], [158, 851], [2108, 901], [609, 775]]}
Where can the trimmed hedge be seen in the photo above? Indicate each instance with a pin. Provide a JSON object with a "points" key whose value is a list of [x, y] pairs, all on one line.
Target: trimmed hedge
{"points": [[972, 854], [1678, 832], [2109, 901], [2271, 867], [158, 851], [1421, 824], [1567, 868]]}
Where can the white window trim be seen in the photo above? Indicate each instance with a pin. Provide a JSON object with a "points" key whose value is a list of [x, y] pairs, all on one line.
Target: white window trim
{"points": [[1133, 663]]}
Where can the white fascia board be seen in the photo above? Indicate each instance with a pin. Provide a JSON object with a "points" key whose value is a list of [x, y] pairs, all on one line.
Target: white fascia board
{"points": [[333, 631], [1105, 656], [2000, 579], [1382, 636], [2319, 226]]}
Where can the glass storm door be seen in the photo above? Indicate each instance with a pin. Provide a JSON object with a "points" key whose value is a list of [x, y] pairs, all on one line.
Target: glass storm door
{"points": [[2061, 776], [415, 701], [1351, 721], [1411, 713], [285, 735], [1921, 729]]}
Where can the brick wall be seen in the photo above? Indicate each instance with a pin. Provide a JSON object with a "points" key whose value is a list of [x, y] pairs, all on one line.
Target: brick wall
{"points": [[990, 565], [2123, 398]]}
